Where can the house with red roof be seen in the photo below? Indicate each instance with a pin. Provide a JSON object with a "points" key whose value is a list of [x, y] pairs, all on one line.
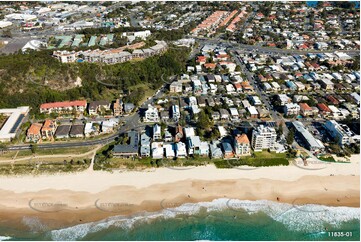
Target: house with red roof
{"points": [[332, 99], [238, 86], [324, 109], [211, 66], [201, 59], [305, 110], [59, 107], [242, 145], [33, 134]]}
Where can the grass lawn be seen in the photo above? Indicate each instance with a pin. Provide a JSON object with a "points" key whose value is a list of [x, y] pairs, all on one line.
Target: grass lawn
{"points": [[58, 151], [118, 163], [148, 91], [263, 158], [266, 154], [327, 158], [45, 166]]}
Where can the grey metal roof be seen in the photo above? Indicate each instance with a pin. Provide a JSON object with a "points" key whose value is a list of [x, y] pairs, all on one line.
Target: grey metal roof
{"points": [[77, 129], [62, 130], [132, 147]]}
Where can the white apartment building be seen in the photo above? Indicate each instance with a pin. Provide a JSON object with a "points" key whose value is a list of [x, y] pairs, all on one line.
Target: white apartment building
{"points": [[284, 99], [175, 87], [151, 115], [263, 138], [157, 132], [65, 56], [291, 109], [339, 132], [175, 112]]}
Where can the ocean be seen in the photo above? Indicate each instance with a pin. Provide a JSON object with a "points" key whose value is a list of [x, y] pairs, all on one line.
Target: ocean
{"points": [[221, 219], [314, 3]]}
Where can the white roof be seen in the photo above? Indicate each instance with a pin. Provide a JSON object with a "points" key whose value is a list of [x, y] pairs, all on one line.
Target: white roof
{"points": [[181, 148], [233, 111], [355, 96], [157, 149], [334, 109], [33, 45], [256, 98], [275, 85], [88, 126], [189, 132], [14, 114], [195, 141], [246, 103], [342, 55], [197, 82], [156, 129], [4, 24], [283, 97], [19, 16], [292, 105], [267, 85], [169, 149], [252, 110], [204, 145], [222, 131], [109, 123]]}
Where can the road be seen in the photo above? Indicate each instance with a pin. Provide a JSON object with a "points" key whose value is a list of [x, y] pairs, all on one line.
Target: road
{"points": [[276, 117], [267, 50], [132, 122]]}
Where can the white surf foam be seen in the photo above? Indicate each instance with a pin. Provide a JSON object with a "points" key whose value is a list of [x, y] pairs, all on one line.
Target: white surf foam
{"points": [[3, 238], [307, 218]]}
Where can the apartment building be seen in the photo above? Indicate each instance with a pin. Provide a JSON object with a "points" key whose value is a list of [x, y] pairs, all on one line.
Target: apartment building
{"points": [[97, 106], [291, 109], [58, 107], [110, 56], [151, 115], [118, 107], [175, 112], [263, 137], [157, 132], [311, 143], [341, 133], [175, 87]]}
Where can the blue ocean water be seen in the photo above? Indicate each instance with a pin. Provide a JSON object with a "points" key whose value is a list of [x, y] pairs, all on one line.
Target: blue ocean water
{"points": [[311, 3], [221, 219], [314, 3]]}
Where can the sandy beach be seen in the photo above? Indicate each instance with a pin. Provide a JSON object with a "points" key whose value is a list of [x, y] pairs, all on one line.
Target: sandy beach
{"points": [[68, 199]]}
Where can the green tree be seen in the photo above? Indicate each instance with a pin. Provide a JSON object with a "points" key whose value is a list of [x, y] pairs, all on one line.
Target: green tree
{"points": [[280, 130], [203, 121], [290, 136]]}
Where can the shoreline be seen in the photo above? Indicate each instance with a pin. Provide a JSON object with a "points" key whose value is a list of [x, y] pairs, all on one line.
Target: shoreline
{"points": [[59, 201], [63, 208]]}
